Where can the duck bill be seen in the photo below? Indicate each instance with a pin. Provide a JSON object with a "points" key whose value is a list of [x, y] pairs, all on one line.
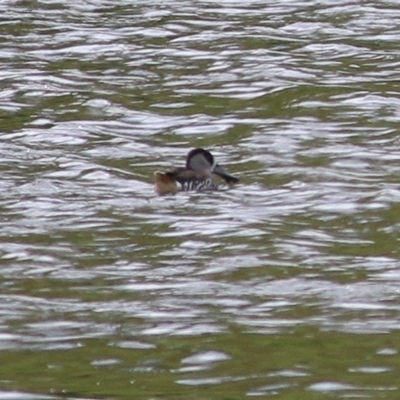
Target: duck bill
{"points": [[218, 170]]}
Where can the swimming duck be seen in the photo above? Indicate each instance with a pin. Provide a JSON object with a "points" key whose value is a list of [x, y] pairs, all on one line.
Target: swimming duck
{"points": [[197, 175]]}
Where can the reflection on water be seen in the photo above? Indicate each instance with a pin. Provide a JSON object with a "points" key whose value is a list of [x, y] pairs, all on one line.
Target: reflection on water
{"points": [[285, 284]]}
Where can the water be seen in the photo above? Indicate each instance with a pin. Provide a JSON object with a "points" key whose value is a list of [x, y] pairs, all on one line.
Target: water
{"points": [[285, 285]]}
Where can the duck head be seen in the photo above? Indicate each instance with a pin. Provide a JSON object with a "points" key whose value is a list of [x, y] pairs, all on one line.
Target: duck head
{"points": [[201, 160]]}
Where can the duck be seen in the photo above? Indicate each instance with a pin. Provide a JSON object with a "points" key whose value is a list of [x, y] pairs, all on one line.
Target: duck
{"points": [[197, 175]]}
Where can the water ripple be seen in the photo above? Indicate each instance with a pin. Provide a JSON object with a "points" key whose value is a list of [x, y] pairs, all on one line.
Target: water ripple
{"points": [[298, 99]]}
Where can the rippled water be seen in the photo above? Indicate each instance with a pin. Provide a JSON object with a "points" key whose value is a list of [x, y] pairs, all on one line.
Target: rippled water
{"points": [[285, 285]]}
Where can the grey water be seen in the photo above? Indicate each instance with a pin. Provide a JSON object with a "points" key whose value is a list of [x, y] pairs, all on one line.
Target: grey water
{"points": [[285, 285]]}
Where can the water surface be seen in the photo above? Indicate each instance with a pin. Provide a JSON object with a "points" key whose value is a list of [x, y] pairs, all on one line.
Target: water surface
{"points": [[284, 285]]}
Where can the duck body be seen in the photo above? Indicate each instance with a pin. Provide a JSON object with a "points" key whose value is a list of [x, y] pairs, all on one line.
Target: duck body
{"points": [[198, 175]]}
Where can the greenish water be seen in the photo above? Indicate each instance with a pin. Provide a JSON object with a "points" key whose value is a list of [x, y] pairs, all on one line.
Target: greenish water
{"points": [[285, 285], [302, 364]]}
